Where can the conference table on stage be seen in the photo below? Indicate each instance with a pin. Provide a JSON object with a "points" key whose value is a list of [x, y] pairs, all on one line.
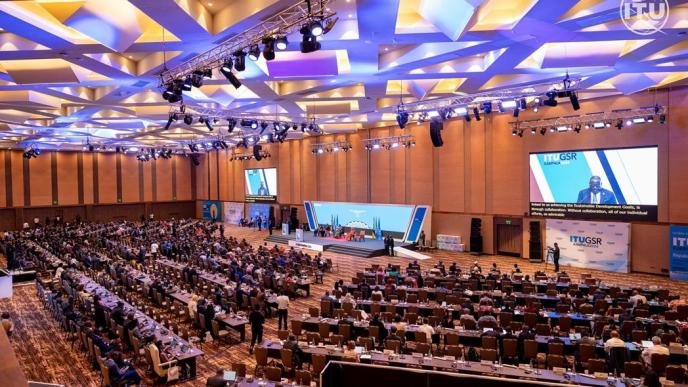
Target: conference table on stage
{"points": [[472, 337], [175, 347], [448, 364]]}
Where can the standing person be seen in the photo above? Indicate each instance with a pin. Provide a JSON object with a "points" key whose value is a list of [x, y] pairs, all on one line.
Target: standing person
{"points": [[390, 246], [555, 257], [421, 239], [222, 231], [282, 309], [271, 224], [260, 222], [257, 320]]}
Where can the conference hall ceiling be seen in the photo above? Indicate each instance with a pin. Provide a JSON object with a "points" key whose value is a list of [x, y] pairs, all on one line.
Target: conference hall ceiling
{"points": [[88, 70]]}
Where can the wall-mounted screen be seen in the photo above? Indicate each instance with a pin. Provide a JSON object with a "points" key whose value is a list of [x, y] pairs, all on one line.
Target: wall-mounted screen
{"points": [[261, 185], [614, 184]]}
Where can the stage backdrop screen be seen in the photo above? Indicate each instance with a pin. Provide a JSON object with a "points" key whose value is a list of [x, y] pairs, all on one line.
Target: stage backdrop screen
{"points": [[590, 245], [613, 184], [381, 218], [261, 185]]}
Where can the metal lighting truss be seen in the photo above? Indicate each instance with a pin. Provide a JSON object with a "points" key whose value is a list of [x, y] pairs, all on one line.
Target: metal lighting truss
{"points": [[607, 118], [477, 99], [335, 146], [391, 142], [248, 156], [224, 114], [284, 22]]}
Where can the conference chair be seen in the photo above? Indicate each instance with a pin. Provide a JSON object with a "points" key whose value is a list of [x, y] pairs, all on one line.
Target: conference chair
{"points": [[345, 331], [489, 342], [286, 355], [510, 350], [283, 334], [220, 334], [555, 361], [675, 373], [659, 363], [261, 354], [633, 369], [303, 378], [597, 365], [394, 345], [159, 369], [313, 312], [530, 350], [313, 337], [318, 362], [273, 374]]}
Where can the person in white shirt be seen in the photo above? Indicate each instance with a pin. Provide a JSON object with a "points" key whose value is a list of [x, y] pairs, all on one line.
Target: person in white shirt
{"points": [[154, 248], [282, 310], [192, 305], [427, 329], [657, 347], [58, 272], [377, 291], [614, 342], [636, 298]]}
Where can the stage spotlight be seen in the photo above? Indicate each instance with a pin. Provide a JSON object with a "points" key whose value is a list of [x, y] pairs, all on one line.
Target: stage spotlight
{"points": [[188, 119], [476, 113], [650, 119], [487, 107], [619, 124], [513, 132], [197, 78], [187, 85], [402, 118], [316, 28], [254, 52], [91, 148], [533, 130], [254, 124], [309, 42], [226, 67], [168, 92], [522, 104], [208, 125], [240, 61], [662, 119], [516, 112], [551, 99], [467, 116], [263, 126], [231, 124], [233, 80], [629, 122], [170, 120], [543, 131], [269, 48], [577, 128], [303, 126], [281, 43], [574, 101]]}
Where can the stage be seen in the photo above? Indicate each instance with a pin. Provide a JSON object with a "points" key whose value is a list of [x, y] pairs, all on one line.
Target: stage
{"points": [[366, 249]]}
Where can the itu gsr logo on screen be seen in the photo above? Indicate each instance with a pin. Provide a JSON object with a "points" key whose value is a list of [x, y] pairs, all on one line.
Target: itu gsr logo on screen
{"points": [[585, 241], [559, 158]]}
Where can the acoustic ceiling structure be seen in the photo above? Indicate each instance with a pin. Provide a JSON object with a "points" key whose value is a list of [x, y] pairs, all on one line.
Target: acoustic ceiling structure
{"points": [[78, 71]]}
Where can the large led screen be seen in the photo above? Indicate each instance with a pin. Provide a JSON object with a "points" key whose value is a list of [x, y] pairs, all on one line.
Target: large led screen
{"points": [[615, 184], [381, 218], [261, 185]]}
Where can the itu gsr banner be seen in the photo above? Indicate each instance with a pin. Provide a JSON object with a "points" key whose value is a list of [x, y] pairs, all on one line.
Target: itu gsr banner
{"points": [[619, 184], [590, 245], [678, 252]]}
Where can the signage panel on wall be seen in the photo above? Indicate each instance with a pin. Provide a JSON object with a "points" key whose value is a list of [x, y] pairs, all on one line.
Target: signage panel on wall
{"points": [[590, 245], [234, 211], [212, 210], [678, 252]]}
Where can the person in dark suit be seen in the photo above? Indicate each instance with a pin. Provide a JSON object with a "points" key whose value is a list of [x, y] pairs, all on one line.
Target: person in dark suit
{"points": [[262, 191], [595, 194], [555, 257], [218, 379]]}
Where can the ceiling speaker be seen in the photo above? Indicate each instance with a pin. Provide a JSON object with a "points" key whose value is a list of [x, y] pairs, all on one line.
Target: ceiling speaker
{"points": [[436, 126]]}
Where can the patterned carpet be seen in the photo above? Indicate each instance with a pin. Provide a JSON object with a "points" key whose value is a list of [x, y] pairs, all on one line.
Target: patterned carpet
{"points": [[46, 355]]}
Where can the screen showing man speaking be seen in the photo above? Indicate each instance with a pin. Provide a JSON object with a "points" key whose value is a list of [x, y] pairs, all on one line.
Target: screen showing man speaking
{"points": [[619, 184], [261, 184]]}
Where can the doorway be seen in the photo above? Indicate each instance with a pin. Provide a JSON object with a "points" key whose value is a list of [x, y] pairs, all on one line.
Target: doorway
{"points": [[509, 240]]}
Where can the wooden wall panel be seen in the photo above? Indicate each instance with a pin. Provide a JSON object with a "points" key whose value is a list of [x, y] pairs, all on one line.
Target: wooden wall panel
{"points": [[163, 179], [202, 178], [17, 179], [476, 175], [213, 175], [130, 179], [285, 184], [148, 181], [107, 178], [3, 183], [308, 171], [327, 172], [358, 171], [67, 178], [451, 173], [88, 177], [420, 173], [676, 204], [509, 166], [238, 176], [225, 187], [380, 165], [649, 253], [297, 173], [398, 179], [183, 178]]}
